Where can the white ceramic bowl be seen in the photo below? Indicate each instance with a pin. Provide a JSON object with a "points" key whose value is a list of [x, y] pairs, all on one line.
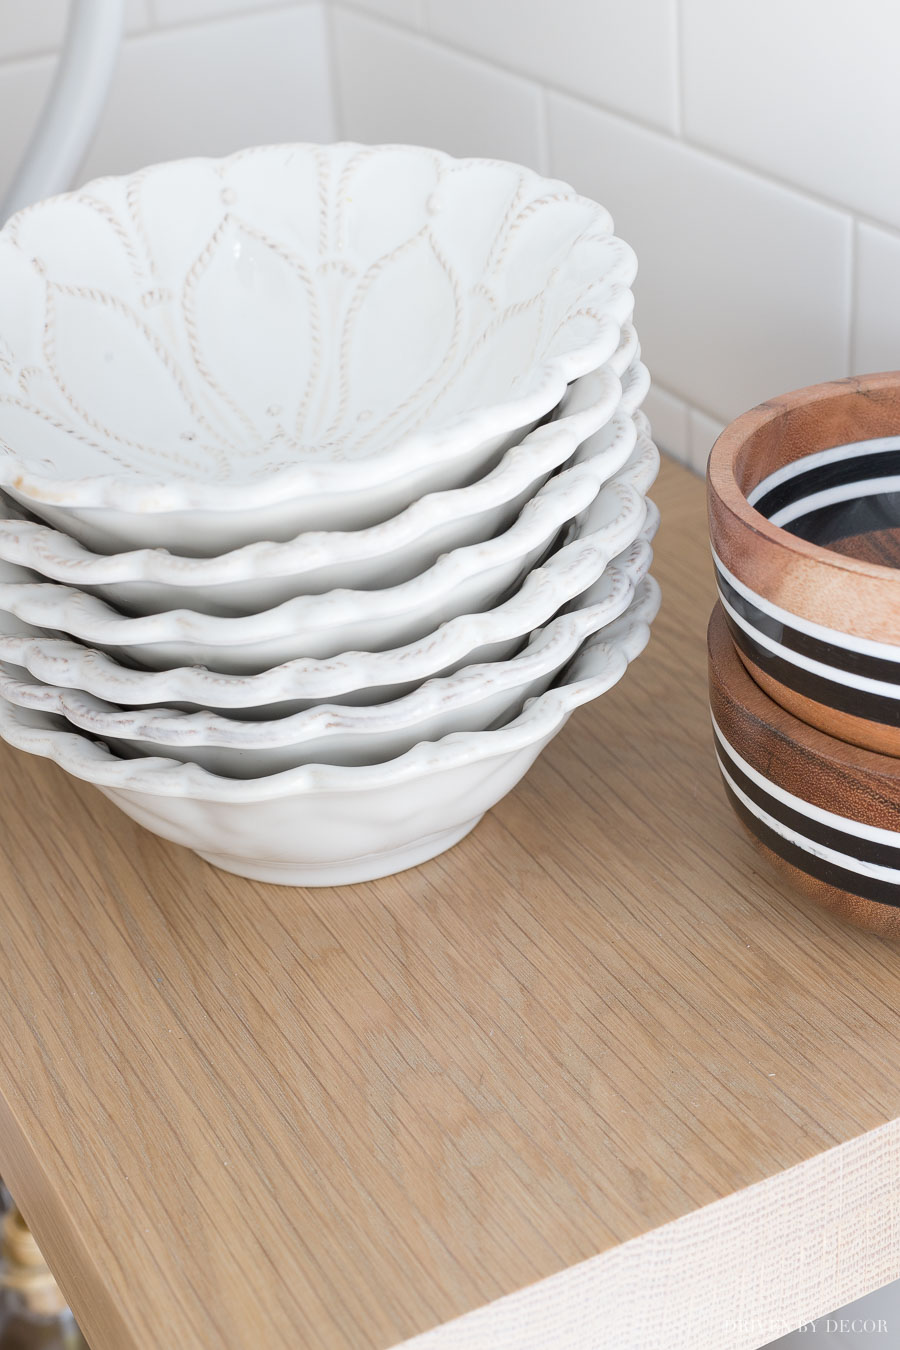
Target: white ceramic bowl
{"points": [[475, 698], [328, 825], [359, 678], [212, 352], [263, 575], [614, 521], [466, 581]]}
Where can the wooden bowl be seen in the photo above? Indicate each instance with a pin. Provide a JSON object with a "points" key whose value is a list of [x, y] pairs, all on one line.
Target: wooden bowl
{"points": [[827, 813], [804, 518]]}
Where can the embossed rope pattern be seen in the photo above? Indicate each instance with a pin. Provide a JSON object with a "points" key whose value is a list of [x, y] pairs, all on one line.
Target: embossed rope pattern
{"points": [[248, 333]]}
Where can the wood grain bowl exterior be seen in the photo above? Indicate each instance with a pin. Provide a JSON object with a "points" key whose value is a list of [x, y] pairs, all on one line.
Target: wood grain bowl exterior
{"points": [[844, 692], [845, 726], [829, 811], [818, 626], [816, 584]]}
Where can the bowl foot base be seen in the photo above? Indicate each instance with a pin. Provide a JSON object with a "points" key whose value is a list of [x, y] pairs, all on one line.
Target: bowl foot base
{"points": [[348, 871]]}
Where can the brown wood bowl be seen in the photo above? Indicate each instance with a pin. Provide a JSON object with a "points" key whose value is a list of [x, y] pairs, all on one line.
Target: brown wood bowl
{"points": [[827, 812], [804, 518]]}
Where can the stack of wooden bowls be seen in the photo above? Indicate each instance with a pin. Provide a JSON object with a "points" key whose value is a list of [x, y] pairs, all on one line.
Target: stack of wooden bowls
{"points": [[804, 642]]}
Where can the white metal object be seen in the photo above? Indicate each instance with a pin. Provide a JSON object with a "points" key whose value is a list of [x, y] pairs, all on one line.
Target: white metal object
{"points": [[74, 105]]}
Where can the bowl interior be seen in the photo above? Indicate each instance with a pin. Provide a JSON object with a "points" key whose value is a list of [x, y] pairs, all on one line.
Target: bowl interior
{"points": [[222, 320], [839, 494]]}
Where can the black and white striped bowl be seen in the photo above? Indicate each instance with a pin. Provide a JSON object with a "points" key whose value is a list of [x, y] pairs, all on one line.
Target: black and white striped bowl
{"points": [[806, 547], [844, 684], [827, 813]]}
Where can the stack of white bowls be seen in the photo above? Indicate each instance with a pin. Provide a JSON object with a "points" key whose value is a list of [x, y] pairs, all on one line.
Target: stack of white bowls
{"points": [[324, 494]]}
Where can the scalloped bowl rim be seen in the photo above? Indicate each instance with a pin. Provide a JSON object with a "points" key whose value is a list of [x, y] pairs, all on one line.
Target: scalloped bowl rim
{"points": [[567, 631], [549, 379], [273, 559], [158, 776], [577, 565], [94, 621]]}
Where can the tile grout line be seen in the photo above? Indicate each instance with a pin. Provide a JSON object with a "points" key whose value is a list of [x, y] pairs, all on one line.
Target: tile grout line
{"points": [[719, 156], [700, 147], [348, 7], [716, 154], [723, 157], [689, 403], [156, 28], [853, 297], [248, 8], [687, 408], [678, 65], [442, 44], [334, 71], [543, 132], [696, 458]]}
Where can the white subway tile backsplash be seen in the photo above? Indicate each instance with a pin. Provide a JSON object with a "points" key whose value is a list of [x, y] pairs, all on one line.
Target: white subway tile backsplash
{"points": [[31, 26], [668, 421], [703, 433], [622, 56], [137, 15], [744, 286], [170, 12], [876, 343], [214, 88], [394, 86], [23, 88], [409, 12], [805, 90]]}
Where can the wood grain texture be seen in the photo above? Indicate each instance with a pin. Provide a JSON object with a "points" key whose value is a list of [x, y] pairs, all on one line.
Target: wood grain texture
{"points": [[874, 546], [875, 736], [824, 586], [829, 773], [874, 917], [848, 782], [237, 1115]]}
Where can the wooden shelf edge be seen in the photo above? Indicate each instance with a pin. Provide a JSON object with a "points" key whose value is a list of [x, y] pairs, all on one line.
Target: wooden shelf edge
{"points": [[734, 1275], [99, 1315]]}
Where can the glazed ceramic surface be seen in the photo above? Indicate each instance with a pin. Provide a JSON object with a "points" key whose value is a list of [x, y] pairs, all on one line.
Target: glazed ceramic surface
{"points": [[465, 581], [475, 698], [214, 352], [805, 524], [325, 825], [595, 409], [829, 811], [613, 522]]}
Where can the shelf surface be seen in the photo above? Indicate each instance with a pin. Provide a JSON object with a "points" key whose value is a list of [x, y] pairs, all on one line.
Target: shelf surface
{"points": [[238, 1115]]}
